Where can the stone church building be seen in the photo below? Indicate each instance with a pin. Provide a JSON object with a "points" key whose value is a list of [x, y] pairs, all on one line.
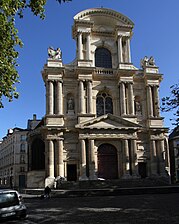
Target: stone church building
{"points": [[102, 116]]}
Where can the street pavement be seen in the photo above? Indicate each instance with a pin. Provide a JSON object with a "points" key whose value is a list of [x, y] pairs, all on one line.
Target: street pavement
{"points": [[120, 209]]}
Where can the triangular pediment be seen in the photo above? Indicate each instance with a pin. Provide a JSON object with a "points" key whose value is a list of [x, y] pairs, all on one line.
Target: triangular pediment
{"points": [[108, 121]]}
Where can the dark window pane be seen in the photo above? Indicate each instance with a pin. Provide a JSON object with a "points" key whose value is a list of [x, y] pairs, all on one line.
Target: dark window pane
{"points": [[99, 106], [103, 58], [108, 105]]}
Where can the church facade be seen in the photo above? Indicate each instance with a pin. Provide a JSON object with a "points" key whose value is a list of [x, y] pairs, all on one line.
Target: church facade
{"points": [[102, 116]]}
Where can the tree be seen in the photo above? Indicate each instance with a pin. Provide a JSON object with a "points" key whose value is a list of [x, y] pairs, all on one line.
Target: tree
{"points": [[171, 103], [9, 41]]}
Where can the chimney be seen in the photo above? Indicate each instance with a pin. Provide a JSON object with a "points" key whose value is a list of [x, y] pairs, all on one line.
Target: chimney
{"points": [[34, 117]]}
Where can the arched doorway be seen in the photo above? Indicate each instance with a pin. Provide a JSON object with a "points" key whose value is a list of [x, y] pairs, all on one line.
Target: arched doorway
{"points": [[107, 162]]}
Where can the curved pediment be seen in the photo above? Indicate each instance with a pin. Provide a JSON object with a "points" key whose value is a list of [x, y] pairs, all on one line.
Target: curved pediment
{"points": [[104, 16], [108, 121]]}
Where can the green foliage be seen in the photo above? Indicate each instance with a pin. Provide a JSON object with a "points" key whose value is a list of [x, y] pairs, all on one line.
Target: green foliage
{"points": [[9, 40], [171, 103]]}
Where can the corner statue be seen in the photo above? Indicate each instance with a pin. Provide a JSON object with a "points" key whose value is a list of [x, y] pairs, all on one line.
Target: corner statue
{"points": [[147, 61], [54, 54]]}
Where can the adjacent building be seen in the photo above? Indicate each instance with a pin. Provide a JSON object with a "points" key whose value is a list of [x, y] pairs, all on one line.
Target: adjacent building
{"points": [[174, 154], [14, 156], [102, 115]]}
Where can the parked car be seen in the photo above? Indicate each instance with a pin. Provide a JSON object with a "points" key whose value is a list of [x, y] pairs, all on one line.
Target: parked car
{"points": [[11, 205]]}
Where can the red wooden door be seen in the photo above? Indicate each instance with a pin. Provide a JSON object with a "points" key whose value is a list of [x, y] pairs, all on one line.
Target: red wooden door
{"points": [[107, 162]]}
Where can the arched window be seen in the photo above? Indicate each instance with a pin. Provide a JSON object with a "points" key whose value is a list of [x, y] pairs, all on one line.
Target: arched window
{"points": [[103, 58], [104, 104]]}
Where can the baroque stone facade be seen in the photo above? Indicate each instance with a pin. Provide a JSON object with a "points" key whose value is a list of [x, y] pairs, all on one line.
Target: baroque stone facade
{"points": [[102, 113]]}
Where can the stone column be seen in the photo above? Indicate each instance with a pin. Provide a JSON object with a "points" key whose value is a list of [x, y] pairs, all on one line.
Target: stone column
{"points": [[133, 157], [120, 58], [59, 99], [51, 158], [81, 97], [122, 98], [156, 103], [153, 158], [83, 161], [161, 151], [60, 164], [51, 98], [47, 97], [90, 97], [88, 46], [131, 99], [126, 165], [80, 53], [92, 160], [149, 101], [128, 50]]}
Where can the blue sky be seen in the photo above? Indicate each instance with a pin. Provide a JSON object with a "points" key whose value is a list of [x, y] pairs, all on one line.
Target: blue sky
{"points": [[156, 33]]}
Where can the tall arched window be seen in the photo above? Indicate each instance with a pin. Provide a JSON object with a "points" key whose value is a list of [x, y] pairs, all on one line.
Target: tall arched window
{"points": [[104, 104], [103, 58]]}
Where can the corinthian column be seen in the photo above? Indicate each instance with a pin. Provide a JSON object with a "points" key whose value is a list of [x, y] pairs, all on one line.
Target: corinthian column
{"points": [[88, 46], [80, 46], [120, 49], [60, 164], [128, 50], [89, 97]]}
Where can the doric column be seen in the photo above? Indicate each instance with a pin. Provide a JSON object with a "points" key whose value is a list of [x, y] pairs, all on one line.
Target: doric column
{"points": [[88, 46], [81, 97], [60, 164], [80, 46], [149, 101], [128, 50], [126, 165], [122, 98], [156, 102], [153, 157], [120, 58], [89, 96], [51, 98], [133, 157], [83, 160], [59, 99], [51, 158], [131, 99]]}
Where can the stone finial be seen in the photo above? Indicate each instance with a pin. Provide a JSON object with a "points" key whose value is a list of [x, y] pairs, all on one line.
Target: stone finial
{"points": [[54, 54]]}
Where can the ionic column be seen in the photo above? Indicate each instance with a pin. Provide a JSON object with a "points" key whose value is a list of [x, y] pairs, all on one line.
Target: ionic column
{"points": [[81, 97], [59, 98], [128, 50], [50, 98], [122, 98], [131, 99], [88, 46], [120, 58], [156, 102], [149, 101], [51, 158], [60, 164], [89, 97], [80, 55]]}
